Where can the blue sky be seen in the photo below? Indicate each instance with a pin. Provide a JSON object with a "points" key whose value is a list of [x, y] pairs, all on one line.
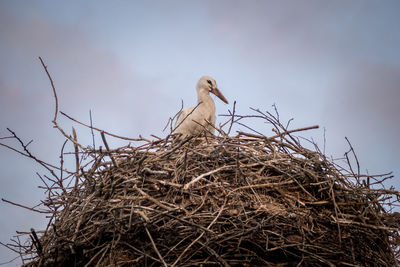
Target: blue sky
{"points": [[331, 63]]}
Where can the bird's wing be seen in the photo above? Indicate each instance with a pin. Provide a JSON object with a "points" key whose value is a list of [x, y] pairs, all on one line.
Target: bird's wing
{"points": [[182, 119], [211, 120]]}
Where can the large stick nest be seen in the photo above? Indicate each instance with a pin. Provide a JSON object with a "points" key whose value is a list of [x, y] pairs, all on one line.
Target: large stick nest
{"points": [[245, 200]]}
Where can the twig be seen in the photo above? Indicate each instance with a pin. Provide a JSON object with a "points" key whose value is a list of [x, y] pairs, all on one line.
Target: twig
{"points": [[25, 207], [99, 130], [233, 117], [76, 159], [108, 149], [60, 180], [56, 108], [171, 120], [186, 186], [184, 141], [281, 134], [10, 261], [101, 251], [36, 242], [355, 157], [91, 128], [179, 124], [54, 89], [155, 247], [30, 154]]}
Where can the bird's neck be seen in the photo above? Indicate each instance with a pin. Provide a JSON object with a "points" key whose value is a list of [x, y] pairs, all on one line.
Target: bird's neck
{"points": [[204, 97]]}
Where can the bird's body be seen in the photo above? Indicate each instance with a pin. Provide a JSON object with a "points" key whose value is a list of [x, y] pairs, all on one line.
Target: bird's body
{"points": [[194, 120]]}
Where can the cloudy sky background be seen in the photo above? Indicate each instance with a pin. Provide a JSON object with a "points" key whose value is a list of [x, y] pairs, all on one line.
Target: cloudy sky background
{"points": [[331, 63]]}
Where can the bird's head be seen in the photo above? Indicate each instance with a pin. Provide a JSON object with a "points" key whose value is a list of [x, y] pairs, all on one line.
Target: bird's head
{"points": [[210, 85]]}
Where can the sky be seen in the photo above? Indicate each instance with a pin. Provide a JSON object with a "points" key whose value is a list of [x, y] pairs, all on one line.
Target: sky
{"points": [[332, 63]]}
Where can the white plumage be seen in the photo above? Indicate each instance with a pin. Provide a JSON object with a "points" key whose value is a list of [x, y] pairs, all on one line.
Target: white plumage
{"points": [[194, 120]]}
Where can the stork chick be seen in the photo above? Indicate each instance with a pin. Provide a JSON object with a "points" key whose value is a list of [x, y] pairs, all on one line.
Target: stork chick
{"points": [[194, 120]]}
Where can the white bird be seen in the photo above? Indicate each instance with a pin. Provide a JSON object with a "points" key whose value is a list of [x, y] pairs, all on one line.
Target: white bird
{"points": [[194, 120]]}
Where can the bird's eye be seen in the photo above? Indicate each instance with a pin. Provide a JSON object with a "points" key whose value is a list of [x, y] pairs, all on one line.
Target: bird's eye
{"points": [[209, 82]]}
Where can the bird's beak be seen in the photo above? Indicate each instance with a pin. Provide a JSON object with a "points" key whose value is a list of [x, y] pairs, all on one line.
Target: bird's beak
{"points": [[217, 92]]}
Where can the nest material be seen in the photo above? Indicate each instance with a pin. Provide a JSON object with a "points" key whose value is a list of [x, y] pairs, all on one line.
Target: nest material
{"points": [[224, 201], [247, 200]]}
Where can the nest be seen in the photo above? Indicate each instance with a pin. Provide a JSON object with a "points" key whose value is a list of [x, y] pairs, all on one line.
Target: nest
{"points": [[248, 200]]}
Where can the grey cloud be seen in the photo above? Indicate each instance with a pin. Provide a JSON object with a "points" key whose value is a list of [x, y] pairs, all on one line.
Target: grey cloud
{"points": [[306, 34], [365, 101], [87, 75], [372, 91]]}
